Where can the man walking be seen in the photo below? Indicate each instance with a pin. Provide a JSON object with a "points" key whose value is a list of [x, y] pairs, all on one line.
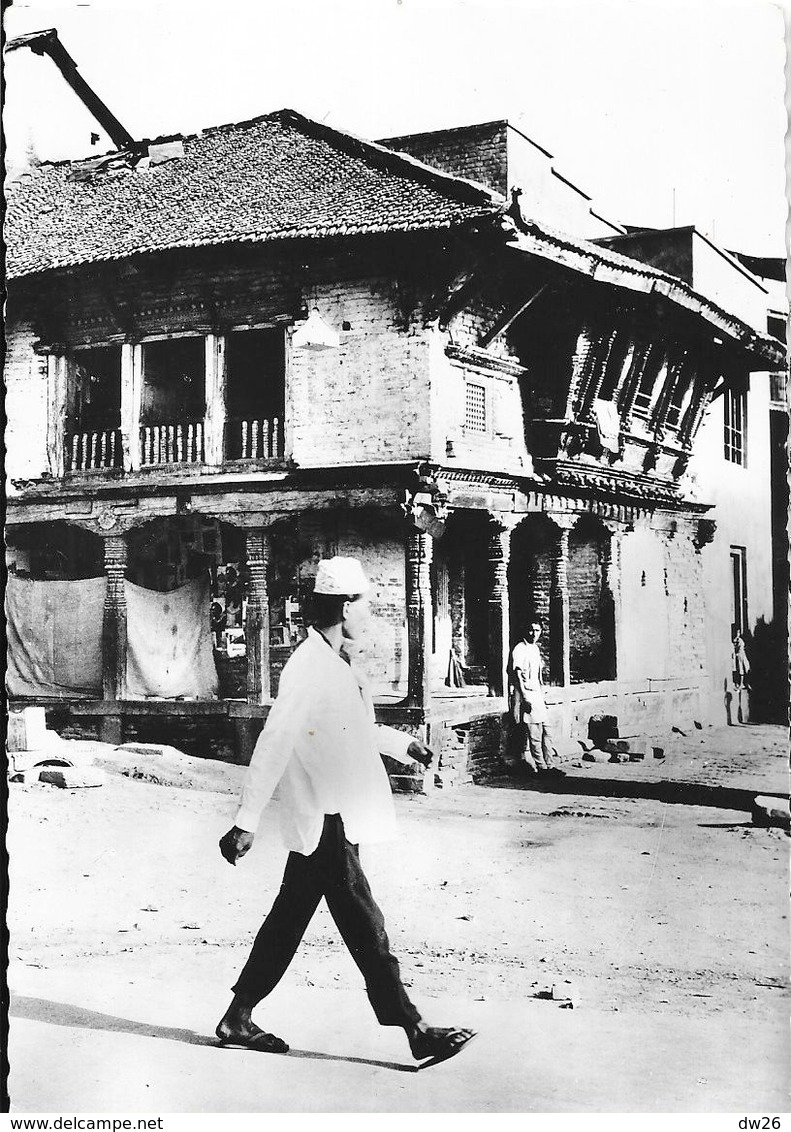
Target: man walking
{"points": [[322, 745], [529, 706]]}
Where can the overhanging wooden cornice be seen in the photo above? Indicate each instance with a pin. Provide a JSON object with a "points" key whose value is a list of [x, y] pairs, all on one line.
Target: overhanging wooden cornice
{"points": [[605, 266]]}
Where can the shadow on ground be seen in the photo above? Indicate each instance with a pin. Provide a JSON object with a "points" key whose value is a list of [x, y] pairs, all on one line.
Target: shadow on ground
{"points": [[677, 793], [65, 1014]]}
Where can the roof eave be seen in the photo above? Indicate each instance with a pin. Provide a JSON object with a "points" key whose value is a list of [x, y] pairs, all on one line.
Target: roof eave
{"points": [[485, 217], [589, 259]]}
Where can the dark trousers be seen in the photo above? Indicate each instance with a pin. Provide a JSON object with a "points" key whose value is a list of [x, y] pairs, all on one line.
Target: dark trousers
{"points": [[333, 871]]}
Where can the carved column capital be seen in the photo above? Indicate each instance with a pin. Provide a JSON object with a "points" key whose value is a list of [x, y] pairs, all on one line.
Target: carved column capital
{"points": [[565, 521]]}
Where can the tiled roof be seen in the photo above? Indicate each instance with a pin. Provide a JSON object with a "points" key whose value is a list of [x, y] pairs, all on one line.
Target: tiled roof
{"points": [[281, 176]]}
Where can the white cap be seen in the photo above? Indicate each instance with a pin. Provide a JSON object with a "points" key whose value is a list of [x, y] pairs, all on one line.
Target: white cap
{"points": [[339, 576]]}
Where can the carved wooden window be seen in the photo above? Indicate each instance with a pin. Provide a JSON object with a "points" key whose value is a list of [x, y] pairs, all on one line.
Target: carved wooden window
{"points": [[475, 419], [679, 399], [647, 387], [735, 422]]}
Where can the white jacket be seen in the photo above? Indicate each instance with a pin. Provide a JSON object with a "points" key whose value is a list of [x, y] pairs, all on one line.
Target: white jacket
{"points": [[526, 658], [321, 743]]}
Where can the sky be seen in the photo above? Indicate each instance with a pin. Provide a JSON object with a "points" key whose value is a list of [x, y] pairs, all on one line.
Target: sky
{"points": [[662, 112]]}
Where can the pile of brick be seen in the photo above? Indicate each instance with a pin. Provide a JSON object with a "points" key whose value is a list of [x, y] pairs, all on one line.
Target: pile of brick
{"points": [[627, 750]]}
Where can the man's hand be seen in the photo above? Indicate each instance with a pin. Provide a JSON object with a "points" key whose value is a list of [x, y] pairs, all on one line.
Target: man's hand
{"points": [[420, 753], [235, 844]]}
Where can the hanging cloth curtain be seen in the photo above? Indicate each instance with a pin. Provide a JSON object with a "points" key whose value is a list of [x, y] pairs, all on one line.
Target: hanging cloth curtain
{"points": [[169, 643], [54, 634]]}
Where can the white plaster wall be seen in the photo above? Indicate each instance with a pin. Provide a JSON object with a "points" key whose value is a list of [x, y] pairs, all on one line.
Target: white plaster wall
{"points": [[545, 196], [25, 377], [642, 629], [727, 283], [741, 498]]}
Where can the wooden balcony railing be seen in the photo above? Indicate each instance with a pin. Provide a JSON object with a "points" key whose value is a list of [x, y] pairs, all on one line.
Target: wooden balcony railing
{"points": [[254, 439], [171, 444], [85, 451], [160, 444]]}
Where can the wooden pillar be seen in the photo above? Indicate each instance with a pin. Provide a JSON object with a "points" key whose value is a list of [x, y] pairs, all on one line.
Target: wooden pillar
{"points": [[214, 422], [257, 624], [131, 402], [114, 625], [499, 554], [57, 384], [419, 553], [611, 593], [559, 634]]}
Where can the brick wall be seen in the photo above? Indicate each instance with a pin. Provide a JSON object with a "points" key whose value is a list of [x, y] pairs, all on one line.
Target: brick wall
{"points": [[367, 401], [336, 400], [591, 621], [25, 376], [378, 541], [479, 153], [585, 631]]}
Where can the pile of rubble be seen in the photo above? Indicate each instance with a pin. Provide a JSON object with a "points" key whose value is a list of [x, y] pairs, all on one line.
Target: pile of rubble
{"points": [[36, 754]]}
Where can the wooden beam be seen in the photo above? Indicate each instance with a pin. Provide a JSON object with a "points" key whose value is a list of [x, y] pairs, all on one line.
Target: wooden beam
{"points": [[47, 43], [503, 323], [57, 384], [131, 399]]}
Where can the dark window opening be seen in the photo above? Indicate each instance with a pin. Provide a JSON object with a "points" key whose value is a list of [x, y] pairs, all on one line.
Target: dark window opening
{"points": [[93, 421], [173, 382], [777, 326], [255, 394], [96, 403], [738, 590], [50, 552]]}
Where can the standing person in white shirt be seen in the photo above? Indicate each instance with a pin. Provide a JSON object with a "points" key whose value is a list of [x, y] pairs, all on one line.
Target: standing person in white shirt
{"points": [[321, 744], [529, 706]]}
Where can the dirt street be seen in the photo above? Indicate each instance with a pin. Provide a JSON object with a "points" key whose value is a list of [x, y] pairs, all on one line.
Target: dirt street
{"points": [[493, 895]]}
